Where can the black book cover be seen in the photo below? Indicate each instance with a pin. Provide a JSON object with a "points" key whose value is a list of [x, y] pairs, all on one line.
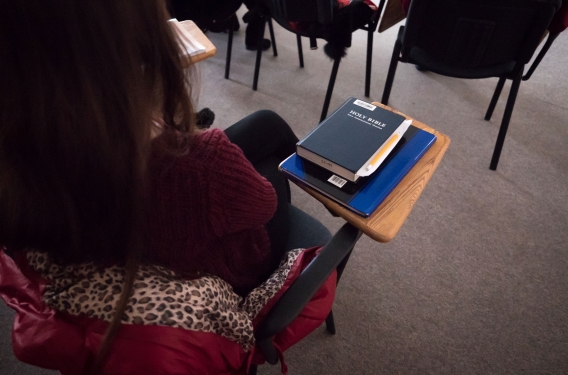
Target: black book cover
{"points": [[352, 134]]}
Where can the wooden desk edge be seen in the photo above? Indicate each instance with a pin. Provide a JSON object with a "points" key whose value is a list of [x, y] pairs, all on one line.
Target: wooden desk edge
{"points": [[392, 213], [442, 143], [210, 49]]}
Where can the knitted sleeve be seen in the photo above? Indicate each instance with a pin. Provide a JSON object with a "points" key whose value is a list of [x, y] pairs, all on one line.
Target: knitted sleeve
{"points": [[239, 197]]}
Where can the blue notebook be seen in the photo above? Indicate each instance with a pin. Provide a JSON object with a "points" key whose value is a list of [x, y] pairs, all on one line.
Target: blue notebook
{"points": [[364, 196]]}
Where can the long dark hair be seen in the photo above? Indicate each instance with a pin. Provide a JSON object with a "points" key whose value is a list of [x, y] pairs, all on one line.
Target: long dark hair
{"points": [[80, 82]]}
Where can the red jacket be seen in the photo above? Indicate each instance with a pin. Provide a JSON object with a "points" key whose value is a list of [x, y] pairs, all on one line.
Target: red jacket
{"points": [[65, 340]]}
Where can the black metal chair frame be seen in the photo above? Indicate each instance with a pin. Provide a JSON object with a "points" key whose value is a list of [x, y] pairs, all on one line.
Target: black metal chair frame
{"points": [[404, 51], [511, 100], [333, 256], [230, 44], [370, 27]]}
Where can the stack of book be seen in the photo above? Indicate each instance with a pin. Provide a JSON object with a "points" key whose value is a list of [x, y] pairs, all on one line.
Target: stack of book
{"points": [[357, 155]]}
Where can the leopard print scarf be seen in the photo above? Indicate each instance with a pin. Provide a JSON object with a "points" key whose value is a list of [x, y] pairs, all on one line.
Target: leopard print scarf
{"points": [[159, 296]]}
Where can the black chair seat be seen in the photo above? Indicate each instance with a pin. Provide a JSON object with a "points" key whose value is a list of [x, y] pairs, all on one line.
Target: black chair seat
{"points": [[421, 57]]}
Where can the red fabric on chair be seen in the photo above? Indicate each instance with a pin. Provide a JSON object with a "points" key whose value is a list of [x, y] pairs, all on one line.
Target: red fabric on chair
{"points": [[313, 315], [559, 22], [38, 330]]}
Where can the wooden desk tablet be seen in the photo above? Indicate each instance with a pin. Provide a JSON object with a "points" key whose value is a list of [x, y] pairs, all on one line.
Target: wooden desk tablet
{"points": [[210, 49], [385, 222]]}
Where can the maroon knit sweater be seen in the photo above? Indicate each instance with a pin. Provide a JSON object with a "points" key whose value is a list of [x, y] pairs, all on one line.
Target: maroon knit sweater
{"points": [[208, 212]]}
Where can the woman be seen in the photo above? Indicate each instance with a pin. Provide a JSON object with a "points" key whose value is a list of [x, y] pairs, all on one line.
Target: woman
{"points": [[209, 205], [100, 160]]}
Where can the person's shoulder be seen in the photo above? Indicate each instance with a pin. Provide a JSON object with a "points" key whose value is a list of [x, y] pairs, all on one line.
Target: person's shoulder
{"points": [[215, 144], [210, 138], [206, 150]]}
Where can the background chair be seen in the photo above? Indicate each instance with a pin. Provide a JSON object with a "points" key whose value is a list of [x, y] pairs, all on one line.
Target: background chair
{"points": [[473, 39], [558, 24], [209, 14], [321, 19]]}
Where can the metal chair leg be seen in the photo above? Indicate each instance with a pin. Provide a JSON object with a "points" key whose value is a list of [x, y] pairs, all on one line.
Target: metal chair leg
{"points": [[229, 50], [330, 88], [272, 39], [392, 67], [258, 56], [495, 98], [300, 52], [369, 61], [505, 123], [330, 323]]}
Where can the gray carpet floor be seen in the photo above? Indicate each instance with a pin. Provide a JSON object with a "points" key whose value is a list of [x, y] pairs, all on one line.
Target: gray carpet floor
{"points": [[476, 281]]}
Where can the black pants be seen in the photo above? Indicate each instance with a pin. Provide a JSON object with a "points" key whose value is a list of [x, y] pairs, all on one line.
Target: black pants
{"points": [[255, 27], [266, 140]]}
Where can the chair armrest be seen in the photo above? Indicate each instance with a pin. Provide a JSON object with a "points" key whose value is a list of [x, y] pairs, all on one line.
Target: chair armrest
{"points": [[303, 289]]}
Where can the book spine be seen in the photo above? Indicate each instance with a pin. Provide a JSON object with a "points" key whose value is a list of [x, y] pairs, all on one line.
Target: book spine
{"points": [[324, 163], [365, 147]]}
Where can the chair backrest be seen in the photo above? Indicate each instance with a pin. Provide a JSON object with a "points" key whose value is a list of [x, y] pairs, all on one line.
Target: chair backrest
{"points": [[311, 11], [475, 38]]}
